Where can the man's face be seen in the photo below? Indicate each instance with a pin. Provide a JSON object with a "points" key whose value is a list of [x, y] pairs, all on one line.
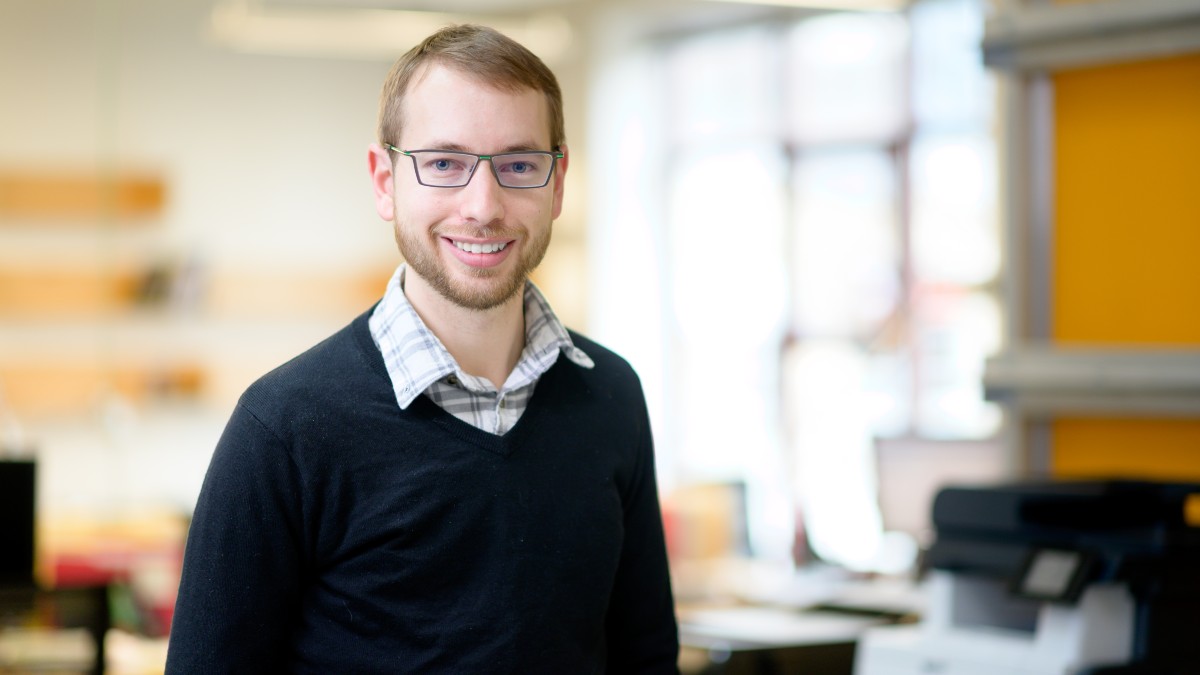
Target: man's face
{"points": [[437, 228]]}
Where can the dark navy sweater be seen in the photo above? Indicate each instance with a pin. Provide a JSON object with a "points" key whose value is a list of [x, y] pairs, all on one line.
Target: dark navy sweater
{"points": [[337, 533]]}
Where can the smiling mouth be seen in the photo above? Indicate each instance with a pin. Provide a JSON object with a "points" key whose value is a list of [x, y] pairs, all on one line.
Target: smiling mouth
{"points": [[480, 248]]}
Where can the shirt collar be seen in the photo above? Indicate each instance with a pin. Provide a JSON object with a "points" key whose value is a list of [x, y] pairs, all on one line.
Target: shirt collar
{"points": [[415, 358]]}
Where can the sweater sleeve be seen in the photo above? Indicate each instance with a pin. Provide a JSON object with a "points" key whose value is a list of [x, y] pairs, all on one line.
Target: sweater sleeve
{"points": [[238, 593], [641, 628]]}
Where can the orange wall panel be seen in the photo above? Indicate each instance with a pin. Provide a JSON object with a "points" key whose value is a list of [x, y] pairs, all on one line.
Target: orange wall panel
{"points": [[1126, 255], [1164, 449]]}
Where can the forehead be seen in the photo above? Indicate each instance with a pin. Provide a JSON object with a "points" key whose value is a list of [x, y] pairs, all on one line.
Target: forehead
{"points": [[447, 106]]}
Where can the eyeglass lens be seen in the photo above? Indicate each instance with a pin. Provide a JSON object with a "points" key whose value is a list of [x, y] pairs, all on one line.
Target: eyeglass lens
{"points": [[453, 169]]}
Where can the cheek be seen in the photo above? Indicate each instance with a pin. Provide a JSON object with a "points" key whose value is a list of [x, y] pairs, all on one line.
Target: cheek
{"points": [[420, 209], [539, 210]]}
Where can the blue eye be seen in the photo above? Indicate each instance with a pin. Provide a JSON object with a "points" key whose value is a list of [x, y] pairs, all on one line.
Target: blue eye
{"points": [[441, 164], [520, 167]]}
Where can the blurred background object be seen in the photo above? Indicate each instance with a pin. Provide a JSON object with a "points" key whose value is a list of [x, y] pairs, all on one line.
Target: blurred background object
{"points": [[821, 231]]}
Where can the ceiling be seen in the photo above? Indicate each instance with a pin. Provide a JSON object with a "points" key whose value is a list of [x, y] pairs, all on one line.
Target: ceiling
{"points": [[383, 29]]}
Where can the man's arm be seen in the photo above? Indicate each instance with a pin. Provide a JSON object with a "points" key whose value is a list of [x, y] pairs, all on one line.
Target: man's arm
{"points": [[238, 595], [643, 636]]}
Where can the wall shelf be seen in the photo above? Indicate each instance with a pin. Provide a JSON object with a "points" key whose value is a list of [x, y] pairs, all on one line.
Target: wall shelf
{"points": [[79, 198], [1041, 381], [1049, 37]]}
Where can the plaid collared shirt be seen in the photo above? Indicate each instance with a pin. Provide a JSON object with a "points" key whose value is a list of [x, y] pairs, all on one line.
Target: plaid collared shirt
{"points": [[418, 362]]}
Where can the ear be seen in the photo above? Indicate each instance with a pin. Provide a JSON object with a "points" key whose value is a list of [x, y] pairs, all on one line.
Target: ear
{"points": [[560, 174], [379, 161]]}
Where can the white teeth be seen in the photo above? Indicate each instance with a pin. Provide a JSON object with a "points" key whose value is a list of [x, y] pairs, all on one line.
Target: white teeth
{"points": [[480, 248]]}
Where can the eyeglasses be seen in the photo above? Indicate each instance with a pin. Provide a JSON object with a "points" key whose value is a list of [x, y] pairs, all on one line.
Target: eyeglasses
{"points": [[447, 169]]}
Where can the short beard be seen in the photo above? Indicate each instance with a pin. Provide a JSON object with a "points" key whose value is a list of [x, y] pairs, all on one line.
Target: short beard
{"points": [[427, 264]]}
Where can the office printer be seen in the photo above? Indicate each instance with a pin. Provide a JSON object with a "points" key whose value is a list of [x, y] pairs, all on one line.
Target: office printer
{"points": [[1069, 578]]}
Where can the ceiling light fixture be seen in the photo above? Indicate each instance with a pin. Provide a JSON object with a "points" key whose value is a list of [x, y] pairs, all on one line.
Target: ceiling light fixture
{"points": [[849, 5], [359, 33]]}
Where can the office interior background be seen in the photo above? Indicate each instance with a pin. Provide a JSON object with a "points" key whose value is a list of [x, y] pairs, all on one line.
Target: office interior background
{"points": [[850, 261]]}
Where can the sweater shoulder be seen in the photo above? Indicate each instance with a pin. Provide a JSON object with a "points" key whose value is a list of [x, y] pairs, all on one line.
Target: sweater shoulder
{"points": [[342, 364], [605, 359], [611, 374]]}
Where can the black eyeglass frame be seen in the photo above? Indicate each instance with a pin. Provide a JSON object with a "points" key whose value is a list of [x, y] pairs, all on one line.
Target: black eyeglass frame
{"points": [[554, 155]]}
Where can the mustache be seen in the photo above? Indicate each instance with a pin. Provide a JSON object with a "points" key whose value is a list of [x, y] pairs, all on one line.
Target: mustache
{"points": [[491, 231]]}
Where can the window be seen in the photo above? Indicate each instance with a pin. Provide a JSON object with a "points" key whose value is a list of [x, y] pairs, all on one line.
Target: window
{"points": [[827, 249]]}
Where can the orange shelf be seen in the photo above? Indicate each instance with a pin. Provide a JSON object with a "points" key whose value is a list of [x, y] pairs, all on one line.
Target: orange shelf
{"points": [[79, 198]]}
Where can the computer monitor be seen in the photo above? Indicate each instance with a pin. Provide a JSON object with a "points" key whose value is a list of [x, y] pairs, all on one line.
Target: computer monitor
{"points": [[911, 471], [17, 480]]}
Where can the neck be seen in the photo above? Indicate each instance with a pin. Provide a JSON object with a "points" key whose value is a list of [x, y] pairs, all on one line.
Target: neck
{"points": [[485, 343]]}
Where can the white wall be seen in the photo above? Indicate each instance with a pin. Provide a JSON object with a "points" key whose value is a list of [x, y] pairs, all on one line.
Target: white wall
{"points": [[265, 165], [265, 156]]}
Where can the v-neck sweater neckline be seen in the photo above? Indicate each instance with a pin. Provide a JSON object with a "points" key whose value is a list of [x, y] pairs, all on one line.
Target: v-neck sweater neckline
{"points": [[500, 444]]}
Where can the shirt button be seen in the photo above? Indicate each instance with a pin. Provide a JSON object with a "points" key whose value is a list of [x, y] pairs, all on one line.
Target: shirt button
{"points": [[452, 380], [502, 400]]}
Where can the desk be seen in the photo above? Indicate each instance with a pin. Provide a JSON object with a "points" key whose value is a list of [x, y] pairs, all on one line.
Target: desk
{"points": [[770, 641], [84, 608]]}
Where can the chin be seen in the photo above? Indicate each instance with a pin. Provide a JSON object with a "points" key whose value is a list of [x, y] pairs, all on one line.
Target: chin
{"points": [[477, 289]]}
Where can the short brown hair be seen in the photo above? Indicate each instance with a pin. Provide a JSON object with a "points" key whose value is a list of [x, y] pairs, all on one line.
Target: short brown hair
{"points": [[481, 52]]}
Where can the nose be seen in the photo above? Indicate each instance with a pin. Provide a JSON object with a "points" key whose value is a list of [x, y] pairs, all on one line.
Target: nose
{"points": [[482, 197]]}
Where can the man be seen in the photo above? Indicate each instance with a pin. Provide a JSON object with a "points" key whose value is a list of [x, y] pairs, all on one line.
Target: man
{"points": [[453, 483]]}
